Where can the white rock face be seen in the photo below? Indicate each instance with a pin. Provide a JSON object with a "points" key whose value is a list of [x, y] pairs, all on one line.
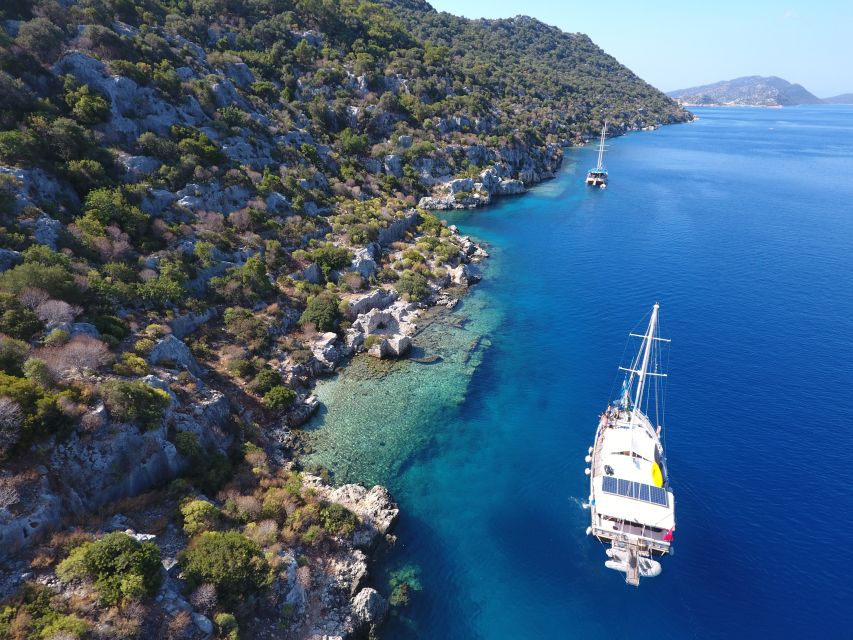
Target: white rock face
{"points": [[37, 188]]}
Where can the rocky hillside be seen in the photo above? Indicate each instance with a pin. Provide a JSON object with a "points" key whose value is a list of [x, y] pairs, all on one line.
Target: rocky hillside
{"points": [[204, 205], [751, 91]]}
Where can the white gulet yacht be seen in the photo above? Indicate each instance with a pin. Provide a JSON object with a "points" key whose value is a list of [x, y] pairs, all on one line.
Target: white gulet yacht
{"points": [[631, 502]]}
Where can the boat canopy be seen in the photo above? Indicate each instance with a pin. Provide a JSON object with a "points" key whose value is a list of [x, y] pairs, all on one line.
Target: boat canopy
{"points": [[626, 440]]}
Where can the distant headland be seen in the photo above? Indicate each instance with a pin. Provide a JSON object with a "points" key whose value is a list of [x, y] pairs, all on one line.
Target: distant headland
{"points": [[753, 91]]}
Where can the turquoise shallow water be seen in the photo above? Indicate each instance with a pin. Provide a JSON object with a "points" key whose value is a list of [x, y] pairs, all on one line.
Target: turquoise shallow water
{"points": [[740, 225]]}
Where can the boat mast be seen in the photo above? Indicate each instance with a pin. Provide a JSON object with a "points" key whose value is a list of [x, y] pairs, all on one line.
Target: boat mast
{"points": [[601, 147], [641, 371]]}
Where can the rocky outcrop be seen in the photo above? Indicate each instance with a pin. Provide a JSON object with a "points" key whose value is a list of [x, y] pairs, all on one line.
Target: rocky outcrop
{"points": [[513, 169], [397, 229], [211, 196], [328, 350], [133, 109]]}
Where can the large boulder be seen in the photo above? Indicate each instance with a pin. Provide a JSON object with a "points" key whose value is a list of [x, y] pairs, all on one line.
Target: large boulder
{"points": [[9, 258], [172, 351], [369, 610], [327, 349], [460, 185], [364, 263]]}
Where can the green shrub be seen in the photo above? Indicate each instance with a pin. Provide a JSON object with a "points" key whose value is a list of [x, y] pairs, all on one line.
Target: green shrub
{"points": [[245, 325], [131, 365], [230, 562], [55, 279], [121, 567], [413, 285], [266, 380], [337, 519], [135, 402], [226, 626], [13, 353], [199, 516], [143, 346], [56, 338], [323, 311], [330, 258], [37, 611], [279, 398], [245, 284], [39, 412], [186, 442], [36, 369]]}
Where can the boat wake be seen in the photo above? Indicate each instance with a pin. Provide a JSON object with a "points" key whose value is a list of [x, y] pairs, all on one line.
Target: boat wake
{"points": [[580, 503]]}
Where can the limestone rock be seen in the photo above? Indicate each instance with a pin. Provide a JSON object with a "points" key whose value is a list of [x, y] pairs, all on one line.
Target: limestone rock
{"points": [[155, 201], [240, 73], [9, 258], [46, 231], [313, 274], [137, 168], [393, 165], [364, 263], [399, 345], [204, 624], [369, 608], [171, 350], [376, 299], [277, 203], [327, 349], [460, 185]]}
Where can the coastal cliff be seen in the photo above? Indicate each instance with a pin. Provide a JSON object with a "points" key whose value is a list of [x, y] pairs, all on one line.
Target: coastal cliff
{"points": [[203, 208]]}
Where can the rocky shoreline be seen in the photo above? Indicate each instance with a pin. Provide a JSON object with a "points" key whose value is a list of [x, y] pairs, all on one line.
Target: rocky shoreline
{"points": [[328, 597]]}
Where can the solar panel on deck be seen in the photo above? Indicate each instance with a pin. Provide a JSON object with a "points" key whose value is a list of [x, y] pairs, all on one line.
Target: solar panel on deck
{"points": [[658, 496], [634, 490]]}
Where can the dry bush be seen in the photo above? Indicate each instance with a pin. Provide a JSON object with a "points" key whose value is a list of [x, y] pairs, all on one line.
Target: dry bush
{"points": [[210, 221], [127, 622], [54, 312], [11, 419], [9, 494], [32, 297], [179, 626], [80, 354], [264, 533], [204, 599]]}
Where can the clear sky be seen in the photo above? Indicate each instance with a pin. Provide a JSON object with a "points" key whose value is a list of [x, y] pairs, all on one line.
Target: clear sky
{"points": [[674, 45]]}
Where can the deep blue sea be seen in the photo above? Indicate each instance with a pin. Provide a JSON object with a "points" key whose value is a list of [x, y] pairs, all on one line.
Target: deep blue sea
{"points": [[741, 226]]}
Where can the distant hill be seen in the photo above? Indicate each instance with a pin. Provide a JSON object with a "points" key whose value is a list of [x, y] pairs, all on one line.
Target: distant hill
{"points": [[844, 98], [755, 91]]}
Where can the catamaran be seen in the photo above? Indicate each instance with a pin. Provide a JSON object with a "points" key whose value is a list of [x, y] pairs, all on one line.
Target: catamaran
{"points": [[598, 177], [631, 502]]}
